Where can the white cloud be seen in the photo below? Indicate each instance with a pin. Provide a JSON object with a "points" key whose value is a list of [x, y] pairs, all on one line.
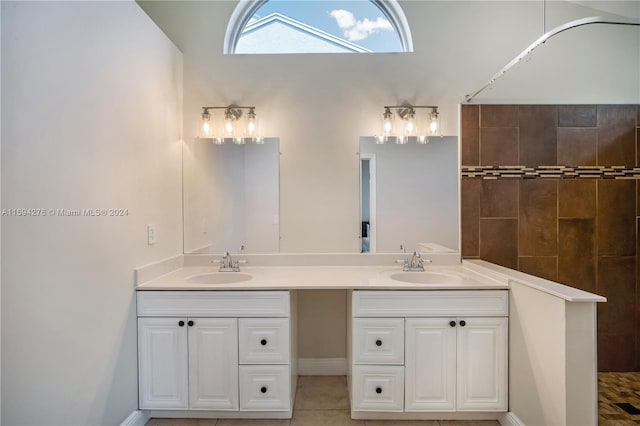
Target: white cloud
{"points": [[344, 18], [355, 30]]}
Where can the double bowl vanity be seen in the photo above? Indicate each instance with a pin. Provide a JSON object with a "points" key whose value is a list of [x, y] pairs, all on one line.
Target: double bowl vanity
{"points": [[430, 344]]}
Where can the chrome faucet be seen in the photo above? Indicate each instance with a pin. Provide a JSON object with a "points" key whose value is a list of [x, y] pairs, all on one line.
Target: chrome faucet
{"points": [[227, 264], [415, 264]]}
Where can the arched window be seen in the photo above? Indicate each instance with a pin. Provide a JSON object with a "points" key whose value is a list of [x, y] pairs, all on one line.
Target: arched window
{"points": [[312, 26]]}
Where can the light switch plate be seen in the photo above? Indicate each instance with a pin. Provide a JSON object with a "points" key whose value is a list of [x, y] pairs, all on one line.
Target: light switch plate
{"points": [[151, 234]]}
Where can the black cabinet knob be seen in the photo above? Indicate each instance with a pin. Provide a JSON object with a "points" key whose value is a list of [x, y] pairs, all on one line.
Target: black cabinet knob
{"points": [[452, 323], [263, 342], [263, 389], [378, 342], [378, 390], [463, 323], [190, 323], [181, 323]]}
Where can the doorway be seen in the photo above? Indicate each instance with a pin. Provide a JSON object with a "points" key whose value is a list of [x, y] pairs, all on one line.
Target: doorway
{"points": [[367, 203]]}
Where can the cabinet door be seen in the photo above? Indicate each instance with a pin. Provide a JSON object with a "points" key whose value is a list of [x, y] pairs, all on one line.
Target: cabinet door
{"points": [[162, 363], [430, 361], [482, 364], [213, 363]]}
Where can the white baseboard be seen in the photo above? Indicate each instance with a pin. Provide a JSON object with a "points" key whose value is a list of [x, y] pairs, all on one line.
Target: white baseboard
{"points": [[510, 419], [137, 418], [322, 366]]}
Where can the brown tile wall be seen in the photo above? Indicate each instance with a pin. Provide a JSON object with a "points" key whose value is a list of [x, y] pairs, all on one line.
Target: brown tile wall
{"points": [[580, 232]]}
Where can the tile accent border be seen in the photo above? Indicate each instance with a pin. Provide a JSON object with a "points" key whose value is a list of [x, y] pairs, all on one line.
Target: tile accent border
{"points": [[551, 172]]}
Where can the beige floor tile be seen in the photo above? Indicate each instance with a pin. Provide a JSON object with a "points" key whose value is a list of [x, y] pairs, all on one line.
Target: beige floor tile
{"points": [[469, 423], [257, 422], [322, 393], [401, 423], [324, 418]]}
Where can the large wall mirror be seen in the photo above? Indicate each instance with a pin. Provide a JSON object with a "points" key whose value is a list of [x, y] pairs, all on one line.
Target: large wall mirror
{"points": [[408, 194], [231, 197]]}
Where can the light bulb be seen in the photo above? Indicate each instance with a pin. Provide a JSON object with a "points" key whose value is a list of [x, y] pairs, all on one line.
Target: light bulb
{"points": [[434, 126], [251, 123], [207, 129], [228, 127], [410, 127], [228, 123], [387, 122]]}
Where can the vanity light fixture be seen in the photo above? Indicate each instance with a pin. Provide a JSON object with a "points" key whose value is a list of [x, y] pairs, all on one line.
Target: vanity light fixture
{"points": [[412, 128], [234, 125]]}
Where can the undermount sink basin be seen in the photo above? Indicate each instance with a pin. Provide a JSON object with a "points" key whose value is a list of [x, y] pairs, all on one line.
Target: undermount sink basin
{"points": [[218, 278], [426, 278]]}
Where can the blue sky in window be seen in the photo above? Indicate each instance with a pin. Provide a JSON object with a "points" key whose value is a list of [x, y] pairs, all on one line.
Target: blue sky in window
{"points": [[358, 21]]}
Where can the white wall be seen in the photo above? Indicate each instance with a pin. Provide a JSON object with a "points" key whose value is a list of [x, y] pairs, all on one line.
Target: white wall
{"points": [[91, 107]]}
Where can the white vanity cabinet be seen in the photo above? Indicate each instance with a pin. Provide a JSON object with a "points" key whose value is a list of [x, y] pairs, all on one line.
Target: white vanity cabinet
{"points": [[451, 347], [188, 363], [218, 351]]}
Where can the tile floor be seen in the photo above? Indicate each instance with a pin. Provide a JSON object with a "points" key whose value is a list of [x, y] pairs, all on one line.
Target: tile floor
{"points": [[618, 388], [320, 401]]}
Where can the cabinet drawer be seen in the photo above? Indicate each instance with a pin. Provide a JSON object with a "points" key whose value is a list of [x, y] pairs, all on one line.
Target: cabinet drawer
{"points": [[430, 303], [264, 388], [263, 340], [378, 341], [213, 303], [378, 388]]}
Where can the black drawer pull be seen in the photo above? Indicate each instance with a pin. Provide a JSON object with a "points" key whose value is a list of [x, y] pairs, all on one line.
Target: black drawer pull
{"points": [[463, 323], [190, 323], [181, 323], [263, 389], [263, 342], [452, 323], [378, 342], [378, 390]]}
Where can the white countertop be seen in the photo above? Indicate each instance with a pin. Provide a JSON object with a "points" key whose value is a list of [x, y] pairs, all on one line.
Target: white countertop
{"points": [[347, 271], [449, 277]]}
